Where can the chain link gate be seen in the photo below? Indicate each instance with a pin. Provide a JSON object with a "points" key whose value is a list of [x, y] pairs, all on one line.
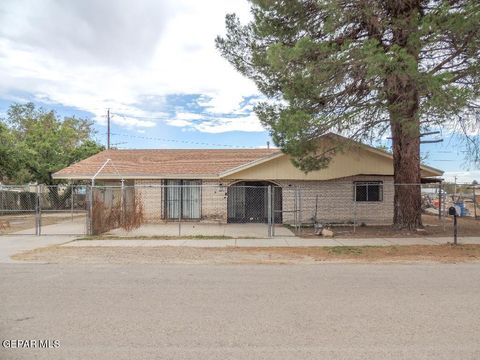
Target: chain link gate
{"points": [[18, 209], [43, 210]]}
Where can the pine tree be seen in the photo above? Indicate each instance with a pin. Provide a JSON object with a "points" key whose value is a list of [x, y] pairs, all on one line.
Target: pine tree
{"points": [[362, 68]]}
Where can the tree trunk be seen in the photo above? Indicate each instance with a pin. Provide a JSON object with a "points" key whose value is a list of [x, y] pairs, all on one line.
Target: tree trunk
{"points": [[406, 164], [403, 102]]}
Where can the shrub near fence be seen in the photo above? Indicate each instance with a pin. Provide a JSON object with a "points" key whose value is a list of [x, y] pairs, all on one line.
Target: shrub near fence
{"points": [[116, 208]]}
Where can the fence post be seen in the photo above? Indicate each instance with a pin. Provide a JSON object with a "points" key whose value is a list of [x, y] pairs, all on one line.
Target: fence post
{"points": [[90, 210], [300, 210], [269, 209], [355, 207], [37, 211], [440, 200], [122, 203], [2, 200], [179, 195], [295, 210], [295, 221], [72, 198], [474, 202], [444, 206], [273, 211]]}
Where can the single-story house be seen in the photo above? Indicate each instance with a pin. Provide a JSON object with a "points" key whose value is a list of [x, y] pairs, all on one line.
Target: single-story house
{"points": [[230, 185]]}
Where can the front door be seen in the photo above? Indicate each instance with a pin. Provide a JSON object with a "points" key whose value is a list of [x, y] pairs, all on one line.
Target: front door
{"points": [[248, 202]]}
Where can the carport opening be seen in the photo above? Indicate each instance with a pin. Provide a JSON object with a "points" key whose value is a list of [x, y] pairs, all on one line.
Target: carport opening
{"points": [[247, 202]]}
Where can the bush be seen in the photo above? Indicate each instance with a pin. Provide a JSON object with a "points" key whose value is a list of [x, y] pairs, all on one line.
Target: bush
{"points": [[105, 217]]}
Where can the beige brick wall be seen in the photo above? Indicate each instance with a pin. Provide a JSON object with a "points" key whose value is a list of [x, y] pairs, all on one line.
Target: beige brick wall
{"points": [[214, 201], [152, 195], [336, 201]]}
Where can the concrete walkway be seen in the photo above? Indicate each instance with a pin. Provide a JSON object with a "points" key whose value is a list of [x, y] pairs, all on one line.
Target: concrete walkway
{"points": [[187, 229], [275, 242], [69, 226], [14, 244]]}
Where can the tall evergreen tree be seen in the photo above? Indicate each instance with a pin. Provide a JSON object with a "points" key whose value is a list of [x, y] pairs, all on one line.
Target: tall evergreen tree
{"points": [[361, 68]]}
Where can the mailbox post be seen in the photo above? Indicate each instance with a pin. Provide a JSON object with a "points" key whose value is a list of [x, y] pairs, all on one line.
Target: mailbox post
{"points": [[452, 210]]}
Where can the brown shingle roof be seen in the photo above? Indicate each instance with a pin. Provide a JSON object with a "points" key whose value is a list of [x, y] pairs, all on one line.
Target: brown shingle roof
{"points": [[163, 163]]}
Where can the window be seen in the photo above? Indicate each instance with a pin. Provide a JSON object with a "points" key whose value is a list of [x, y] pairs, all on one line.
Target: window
{"points": [[368, 191], [182, 199]]}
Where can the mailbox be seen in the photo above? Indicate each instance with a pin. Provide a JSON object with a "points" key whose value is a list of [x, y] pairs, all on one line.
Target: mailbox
{"points": [[454, 211]]}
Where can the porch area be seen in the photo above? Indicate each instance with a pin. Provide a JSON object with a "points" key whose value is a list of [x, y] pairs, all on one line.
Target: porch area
{"points": [[195, 229]]}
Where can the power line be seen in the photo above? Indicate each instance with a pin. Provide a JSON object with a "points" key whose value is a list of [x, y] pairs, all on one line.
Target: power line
{"points": [[180, 141], [140, 117], [430, 141], [108, 128]]}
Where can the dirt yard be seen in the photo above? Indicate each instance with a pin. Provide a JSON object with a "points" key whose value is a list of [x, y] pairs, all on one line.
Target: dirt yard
{"points": [[432, 227], [312, 255]]}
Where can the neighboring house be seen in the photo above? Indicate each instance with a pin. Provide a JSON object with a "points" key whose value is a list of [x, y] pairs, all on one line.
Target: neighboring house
{"points": [[230, 185]]}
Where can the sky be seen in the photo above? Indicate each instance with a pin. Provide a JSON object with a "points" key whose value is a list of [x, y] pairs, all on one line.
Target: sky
{"points": [[153, 63]]}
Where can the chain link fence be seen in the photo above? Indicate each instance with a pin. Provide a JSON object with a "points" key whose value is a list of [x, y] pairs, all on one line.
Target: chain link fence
{"points": [[190, 208], [42, 209], [181, 208], [18, 209]]}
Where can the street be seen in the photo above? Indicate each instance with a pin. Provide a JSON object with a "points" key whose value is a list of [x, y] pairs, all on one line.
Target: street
{"points": [[327, 311]]}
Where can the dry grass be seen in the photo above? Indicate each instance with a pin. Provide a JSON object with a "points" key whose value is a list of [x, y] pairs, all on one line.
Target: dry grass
{"points": [[106, 217], [307, 255]]}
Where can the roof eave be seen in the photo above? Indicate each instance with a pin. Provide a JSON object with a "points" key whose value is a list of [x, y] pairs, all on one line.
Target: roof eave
{"points": [[251, 164], [132, 176], [384, 153]]}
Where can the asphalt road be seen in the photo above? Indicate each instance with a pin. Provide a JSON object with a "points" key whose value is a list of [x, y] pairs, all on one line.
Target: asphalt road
{"points": [[336, 311]]}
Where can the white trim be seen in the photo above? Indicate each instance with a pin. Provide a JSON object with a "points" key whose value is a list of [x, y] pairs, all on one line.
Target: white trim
{"points": [[274, 182]]}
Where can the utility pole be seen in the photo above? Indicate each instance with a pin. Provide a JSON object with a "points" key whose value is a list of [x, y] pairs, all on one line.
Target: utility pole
{"points": [[108, 128], [455, 188]]}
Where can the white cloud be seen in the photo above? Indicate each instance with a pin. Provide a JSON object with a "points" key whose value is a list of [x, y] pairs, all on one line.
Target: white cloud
{"points": [[94, 55], [179, 122], [129, 122], [219, 125], [213, 123], [223, 102], [87, 31], [189, 116]]}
